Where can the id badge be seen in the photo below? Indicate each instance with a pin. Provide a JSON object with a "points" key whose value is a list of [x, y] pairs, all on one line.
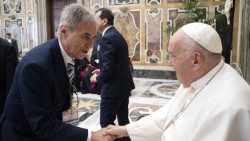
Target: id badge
{"points": [[72, 114]]}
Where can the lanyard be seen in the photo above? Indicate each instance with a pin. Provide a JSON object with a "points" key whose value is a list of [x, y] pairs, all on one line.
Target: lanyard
{"points": [[185, 106]]}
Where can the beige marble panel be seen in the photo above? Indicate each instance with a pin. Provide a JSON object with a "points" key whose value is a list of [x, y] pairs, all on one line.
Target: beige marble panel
{"points": [[125, 22], [29, 6], [153, 35]]}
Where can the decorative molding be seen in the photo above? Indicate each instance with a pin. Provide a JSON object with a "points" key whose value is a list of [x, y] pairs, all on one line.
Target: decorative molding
{"points": [[30, 30], [149, 2], [29, 6], [15, 27], [153, 32], [125, 22], [123, 2], [12, 7]]}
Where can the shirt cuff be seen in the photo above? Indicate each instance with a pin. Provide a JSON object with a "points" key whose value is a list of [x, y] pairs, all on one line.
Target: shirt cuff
{"points": [[89, 135]]}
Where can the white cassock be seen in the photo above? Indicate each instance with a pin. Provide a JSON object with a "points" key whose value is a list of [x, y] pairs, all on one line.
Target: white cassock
{"points": [[220, 111]]}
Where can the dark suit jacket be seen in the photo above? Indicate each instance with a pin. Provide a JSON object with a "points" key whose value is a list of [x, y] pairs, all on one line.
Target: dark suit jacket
{"points": [[14, 43], [8, 63], [38, 96], [95, 50], [115, 78]]}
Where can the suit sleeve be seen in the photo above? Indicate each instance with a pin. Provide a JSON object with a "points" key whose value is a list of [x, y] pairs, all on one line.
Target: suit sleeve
{"points": [[11, 63], [107, 51], [36, 90]]}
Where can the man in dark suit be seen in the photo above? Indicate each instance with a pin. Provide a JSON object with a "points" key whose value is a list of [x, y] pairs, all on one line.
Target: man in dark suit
{"points": [[94, 58], [41, 88], [8, 63], [114, 79], [13, 42]]}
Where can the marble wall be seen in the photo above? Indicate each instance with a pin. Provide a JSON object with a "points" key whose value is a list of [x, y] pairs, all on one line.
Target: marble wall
{"points": [[244, 38], [142, 22], [18, 17]]}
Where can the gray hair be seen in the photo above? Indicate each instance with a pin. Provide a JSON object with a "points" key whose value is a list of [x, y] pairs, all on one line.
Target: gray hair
{"points": [[73, 14]]}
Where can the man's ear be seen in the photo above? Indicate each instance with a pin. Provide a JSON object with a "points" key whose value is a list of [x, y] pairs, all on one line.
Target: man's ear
{"points": [[198, 60], [64, 31], [105, 21]]}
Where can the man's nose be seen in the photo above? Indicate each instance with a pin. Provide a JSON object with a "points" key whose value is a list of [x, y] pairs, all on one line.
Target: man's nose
{"points": [[89, 44]]}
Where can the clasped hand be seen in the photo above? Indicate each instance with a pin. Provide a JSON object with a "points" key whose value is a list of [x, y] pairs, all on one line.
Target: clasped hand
{"points": [[111, 132]]}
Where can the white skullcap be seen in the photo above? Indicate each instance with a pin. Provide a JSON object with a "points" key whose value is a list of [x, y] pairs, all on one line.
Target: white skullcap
{"points": [[205, 35]]}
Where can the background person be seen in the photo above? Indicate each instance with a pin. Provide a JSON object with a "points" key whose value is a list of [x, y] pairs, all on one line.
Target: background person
{"points": [[212, 103], [115, 79], [8, 63], [94, 58], [13, 42]]}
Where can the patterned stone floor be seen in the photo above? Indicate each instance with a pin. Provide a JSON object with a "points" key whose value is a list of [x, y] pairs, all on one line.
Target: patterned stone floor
{"points": [[148, 96]]}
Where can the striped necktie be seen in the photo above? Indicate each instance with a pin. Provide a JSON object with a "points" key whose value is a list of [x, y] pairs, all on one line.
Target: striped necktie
{"points": [[71, 70]]}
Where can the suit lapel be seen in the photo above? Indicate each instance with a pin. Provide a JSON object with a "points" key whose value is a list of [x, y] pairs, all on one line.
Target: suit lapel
{"points": [[60, 67]]}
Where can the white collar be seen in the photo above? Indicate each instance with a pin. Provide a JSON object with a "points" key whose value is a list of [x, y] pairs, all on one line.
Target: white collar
{"points": [[66, 57], [200, 83], [106, 30]]}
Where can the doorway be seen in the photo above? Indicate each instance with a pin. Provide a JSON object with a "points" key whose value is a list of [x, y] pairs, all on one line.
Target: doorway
{"points": [[55, 8]]}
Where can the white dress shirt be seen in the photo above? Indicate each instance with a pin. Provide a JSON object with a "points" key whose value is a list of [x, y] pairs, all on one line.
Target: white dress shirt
{"points": [[67, 60]]}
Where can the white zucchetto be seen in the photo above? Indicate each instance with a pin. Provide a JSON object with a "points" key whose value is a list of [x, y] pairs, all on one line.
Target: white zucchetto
{"points": [[205, 35]]}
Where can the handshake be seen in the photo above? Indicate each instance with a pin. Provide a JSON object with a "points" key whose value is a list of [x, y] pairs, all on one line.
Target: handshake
{"points": [[109, 133]]}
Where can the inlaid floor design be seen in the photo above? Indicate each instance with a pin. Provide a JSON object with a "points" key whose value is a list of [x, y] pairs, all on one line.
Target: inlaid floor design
{"points": [[148, 96]]}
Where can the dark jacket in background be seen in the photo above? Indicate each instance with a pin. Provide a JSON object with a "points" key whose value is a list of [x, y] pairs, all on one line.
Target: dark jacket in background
{"points": [[115, 80], [8, 63], [14, 43], [95, 50]]}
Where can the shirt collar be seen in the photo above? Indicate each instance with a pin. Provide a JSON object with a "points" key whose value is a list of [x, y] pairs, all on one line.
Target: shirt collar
{"points": [[106, 30], [200, 83], [66, 57]]}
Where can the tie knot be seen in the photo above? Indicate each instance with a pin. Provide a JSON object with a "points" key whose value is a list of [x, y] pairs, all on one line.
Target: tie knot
{"points": [[70, 65]]}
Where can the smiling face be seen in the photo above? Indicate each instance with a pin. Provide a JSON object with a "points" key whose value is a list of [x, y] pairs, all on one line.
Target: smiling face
{"points": [[78, 42]]}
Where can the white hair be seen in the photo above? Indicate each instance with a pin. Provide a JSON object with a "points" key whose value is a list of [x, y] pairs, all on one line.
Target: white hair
{"points": [[73, 14]]}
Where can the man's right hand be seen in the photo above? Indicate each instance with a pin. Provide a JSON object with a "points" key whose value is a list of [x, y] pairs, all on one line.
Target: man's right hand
{"points": [[116, 131], [99, 136]]}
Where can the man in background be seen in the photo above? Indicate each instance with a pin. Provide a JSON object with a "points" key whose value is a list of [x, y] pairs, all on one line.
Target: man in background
{"points": [[8, 63], [115, 79], [94, 58], [13, 42]]}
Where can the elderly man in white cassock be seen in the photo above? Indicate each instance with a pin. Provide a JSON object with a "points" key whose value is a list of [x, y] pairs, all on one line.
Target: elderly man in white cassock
{"points": [[212, 103]]}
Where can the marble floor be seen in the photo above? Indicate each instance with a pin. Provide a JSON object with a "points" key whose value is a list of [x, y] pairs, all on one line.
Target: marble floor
{"points": [[148, 96]]}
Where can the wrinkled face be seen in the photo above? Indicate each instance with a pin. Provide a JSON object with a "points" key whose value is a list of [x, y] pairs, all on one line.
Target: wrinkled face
{"points": [[102, 23], [180, 59], [77, 43]]}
